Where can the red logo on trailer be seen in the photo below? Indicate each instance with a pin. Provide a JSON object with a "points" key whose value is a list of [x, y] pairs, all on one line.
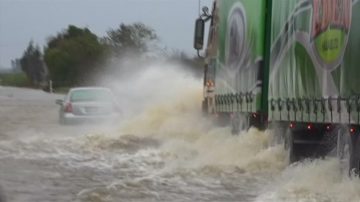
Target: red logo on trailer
{"points": [[331, 14]]}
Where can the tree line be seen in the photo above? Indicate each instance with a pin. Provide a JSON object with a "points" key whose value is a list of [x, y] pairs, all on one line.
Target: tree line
{"points": [[72, 57]]}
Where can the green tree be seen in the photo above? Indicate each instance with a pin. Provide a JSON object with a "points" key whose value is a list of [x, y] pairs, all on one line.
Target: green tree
{"points": [[32, 64], [73, 56], [133, 38]]}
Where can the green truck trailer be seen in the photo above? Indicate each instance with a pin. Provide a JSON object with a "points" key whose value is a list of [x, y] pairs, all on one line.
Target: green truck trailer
{"points": [[289, 64]]}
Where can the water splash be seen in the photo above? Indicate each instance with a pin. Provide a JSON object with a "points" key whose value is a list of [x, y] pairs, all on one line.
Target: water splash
{"points": [[313, 180], [164, 149]]}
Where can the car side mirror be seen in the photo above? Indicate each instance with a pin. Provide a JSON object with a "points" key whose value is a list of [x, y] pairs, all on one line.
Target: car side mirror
{"points": [[59, 102], [199, 34]]}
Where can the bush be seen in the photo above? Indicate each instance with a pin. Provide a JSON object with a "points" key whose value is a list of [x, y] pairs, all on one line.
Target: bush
{"points": [[14, 79]]}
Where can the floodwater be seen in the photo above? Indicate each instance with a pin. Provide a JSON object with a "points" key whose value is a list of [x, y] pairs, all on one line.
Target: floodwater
{"points": [[162, 149]]}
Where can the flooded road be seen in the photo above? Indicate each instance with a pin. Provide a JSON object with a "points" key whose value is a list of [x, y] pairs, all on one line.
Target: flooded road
{"points": [[166, 151]]}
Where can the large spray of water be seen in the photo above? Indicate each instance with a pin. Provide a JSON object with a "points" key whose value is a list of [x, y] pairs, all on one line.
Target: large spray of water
{"points": [[163, 147], [164, 104], [162, 101]]}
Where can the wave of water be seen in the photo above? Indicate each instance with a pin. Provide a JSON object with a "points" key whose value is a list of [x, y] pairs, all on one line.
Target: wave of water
{"points": [[313, 181], [165, 150]]}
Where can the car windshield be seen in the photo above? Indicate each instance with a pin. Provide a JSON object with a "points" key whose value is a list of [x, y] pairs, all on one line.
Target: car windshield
{"points": [[91, 95]]}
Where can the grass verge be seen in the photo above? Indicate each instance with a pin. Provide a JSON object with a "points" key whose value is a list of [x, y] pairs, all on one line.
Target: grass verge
{"points": [[14, 79]]}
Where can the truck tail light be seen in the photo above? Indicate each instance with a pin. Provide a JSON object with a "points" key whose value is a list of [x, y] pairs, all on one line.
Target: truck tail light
{"points": [[328, 127], [292, 125], [352, 130]]}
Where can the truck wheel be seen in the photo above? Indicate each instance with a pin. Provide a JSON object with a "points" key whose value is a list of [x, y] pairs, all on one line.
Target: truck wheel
{"points": [[239, 122], [222, 119], [343, 145], [354, 161], [235, 124], [329, 141], [289, 146], [278, 133], [347, 151]]}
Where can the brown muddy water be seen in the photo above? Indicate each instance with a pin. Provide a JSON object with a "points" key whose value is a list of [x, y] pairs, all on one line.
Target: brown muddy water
{"points": [[166, 151]]}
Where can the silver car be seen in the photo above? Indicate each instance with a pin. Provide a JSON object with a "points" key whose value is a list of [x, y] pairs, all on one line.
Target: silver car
{"points": [[88, 104]]}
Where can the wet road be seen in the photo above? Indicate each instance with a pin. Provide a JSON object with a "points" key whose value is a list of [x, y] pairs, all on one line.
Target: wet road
{"points": [[165, 153]]}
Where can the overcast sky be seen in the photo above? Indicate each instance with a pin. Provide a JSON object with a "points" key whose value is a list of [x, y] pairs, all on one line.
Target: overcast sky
{"points": [[25, 20]]}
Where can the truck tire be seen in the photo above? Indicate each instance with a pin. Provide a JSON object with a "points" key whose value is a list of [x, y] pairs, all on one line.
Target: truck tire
{"points": [[239, 122], [222, 119], [347, 151], [278, 132], [354, 161], [289, 146], [329, 141], [343, 145]]}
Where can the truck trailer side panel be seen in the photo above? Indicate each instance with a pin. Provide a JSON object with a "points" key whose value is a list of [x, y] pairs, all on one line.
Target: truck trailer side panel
{"points": [[314, 63], [240, 56]]}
